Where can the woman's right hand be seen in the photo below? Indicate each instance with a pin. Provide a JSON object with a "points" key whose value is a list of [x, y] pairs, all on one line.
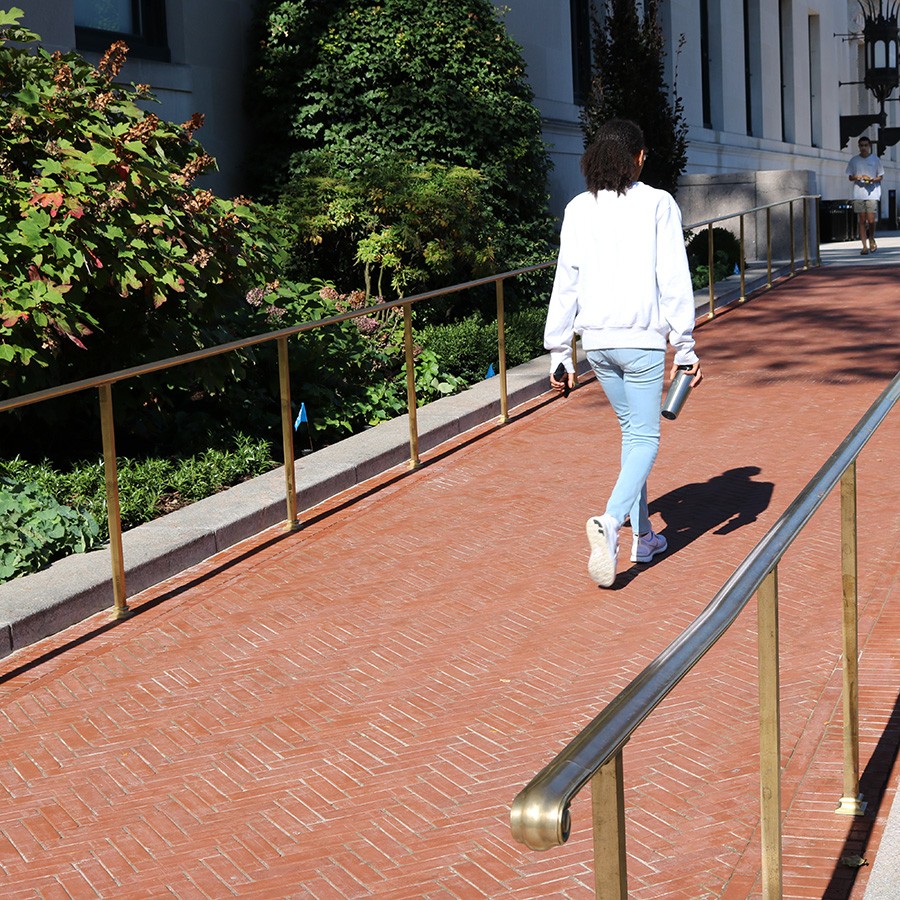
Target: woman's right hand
{"points": [[560, 385]]}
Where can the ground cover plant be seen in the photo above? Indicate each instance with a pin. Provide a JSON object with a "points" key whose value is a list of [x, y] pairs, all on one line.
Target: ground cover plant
{"points": [[47, 512]]}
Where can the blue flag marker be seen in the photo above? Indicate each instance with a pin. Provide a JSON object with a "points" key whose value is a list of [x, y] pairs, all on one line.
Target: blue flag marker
{"points": [[301, 417], [490, 372]]}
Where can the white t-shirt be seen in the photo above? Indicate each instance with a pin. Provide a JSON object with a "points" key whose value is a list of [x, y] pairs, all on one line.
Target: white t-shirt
{"points": [[869, 167]]}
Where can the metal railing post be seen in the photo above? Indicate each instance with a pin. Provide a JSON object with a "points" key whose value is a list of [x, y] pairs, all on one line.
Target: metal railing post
{"points": [[710, 259], [608, 816], [113, 511], [791, 209], [743, 296], [411, 386], [851, 803], [805, 233], [818, 232], [501, 353], [769, 737], [287, 434], [768, 246]]}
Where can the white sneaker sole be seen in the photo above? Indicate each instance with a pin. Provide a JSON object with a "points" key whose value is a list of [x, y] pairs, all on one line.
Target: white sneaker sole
{"points": [[601, 565]]}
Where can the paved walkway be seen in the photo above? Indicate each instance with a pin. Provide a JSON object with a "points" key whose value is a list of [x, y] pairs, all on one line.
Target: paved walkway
{"points": [[348, 710]]}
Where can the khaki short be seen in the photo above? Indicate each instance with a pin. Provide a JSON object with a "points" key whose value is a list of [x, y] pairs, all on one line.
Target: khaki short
{"points": [[865, 206]]}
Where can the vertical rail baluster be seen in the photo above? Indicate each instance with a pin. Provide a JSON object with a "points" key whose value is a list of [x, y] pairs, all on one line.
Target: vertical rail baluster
{"points": [[743, 266], [411, 386], [608, 817], [851, 803], [768, 246], [805, 232], [769, 737], [818, 232], [501, 353], [791, 220], [287, 434], [113, 511], [710, 258]]}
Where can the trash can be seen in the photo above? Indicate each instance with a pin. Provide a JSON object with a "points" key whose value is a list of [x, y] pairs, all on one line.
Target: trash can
{"points": [[836, 221]]}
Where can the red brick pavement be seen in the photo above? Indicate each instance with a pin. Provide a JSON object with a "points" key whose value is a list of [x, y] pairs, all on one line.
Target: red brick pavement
{"points": [[348, 711]]}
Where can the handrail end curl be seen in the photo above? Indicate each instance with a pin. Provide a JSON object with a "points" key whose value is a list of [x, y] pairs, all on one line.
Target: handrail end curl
{"points": [[539, 816]]}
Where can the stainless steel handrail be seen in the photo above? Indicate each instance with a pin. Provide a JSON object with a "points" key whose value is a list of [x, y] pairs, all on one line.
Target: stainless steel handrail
{"points": [[540, 813]]}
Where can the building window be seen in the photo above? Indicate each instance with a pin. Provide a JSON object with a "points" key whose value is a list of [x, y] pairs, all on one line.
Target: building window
{"points": [[140, 23], [580, 13], [704, 64]]}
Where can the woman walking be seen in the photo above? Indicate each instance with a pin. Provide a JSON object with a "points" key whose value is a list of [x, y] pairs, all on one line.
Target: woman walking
{"points": [[623, 283]]}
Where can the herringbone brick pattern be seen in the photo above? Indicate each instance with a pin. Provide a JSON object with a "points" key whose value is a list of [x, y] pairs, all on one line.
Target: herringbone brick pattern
{"points": [[348, 710]]}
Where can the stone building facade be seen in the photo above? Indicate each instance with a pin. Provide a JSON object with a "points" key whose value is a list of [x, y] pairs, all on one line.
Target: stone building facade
{"points": [[764, 83]]}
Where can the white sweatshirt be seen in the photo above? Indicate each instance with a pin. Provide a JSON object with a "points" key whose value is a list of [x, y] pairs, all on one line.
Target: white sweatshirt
{"points": [[622, 277]]}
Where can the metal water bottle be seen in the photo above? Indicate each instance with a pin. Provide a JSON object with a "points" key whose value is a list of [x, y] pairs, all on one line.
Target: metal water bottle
{"points": [[678, 392]]}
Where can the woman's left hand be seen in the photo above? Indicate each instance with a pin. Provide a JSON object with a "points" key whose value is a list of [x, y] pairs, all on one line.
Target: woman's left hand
{"points": [[694, 370]]}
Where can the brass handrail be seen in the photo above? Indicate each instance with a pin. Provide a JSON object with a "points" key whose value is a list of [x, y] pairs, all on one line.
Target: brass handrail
{"points": [[767, 208], [104, 383], [540, 813]]}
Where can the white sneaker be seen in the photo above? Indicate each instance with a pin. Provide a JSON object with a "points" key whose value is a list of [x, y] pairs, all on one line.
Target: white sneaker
{"points": [[645, 546], [603, 536]]}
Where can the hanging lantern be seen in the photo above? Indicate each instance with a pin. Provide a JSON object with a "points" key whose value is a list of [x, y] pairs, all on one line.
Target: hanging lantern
{"points": [[881, 38]]}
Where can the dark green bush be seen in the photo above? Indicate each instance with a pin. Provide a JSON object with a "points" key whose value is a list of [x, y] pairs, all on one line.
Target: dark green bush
{"points": [[726, 255], [469, 347], [378, 123]]}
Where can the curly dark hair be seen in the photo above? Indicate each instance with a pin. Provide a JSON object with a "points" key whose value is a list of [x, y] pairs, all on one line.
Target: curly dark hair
{"points": [[608, 163]]}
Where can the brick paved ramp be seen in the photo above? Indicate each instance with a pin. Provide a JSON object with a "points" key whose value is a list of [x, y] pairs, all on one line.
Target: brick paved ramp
{"points": [[348, 711]]}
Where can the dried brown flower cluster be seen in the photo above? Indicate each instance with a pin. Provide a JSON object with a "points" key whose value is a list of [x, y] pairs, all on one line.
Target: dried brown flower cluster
{"points": [[197, 201], [112, 61], [143, 129], [193, 168], [63, 77], [193, 124]]}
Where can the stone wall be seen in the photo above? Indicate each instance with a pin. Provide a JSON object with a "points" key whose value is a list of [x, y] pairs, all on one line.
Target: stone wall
{"points": [[704, 197]]}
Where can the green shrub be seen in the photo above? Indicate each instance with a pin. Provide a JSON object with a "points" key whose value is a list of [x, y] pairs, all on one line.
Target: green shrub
{"points": [[469, 347], [35, 529], [109, 253], [350, 375], [377, 120], [726, 255]]}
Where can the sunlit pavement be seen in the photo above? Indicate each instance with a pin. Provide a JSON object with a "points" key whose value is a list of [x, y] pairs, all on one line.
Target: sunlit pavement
{"points": [[349, 710]]}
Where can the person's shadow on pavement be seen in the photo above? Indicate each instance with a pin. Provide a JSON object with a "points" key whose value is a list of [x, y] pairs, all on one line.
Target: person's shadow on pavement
{"points": [[723, 504]]}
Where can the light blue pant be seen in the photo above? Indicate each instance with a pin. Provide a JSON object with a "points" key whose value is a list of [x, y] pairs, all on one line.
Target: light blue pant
{"points": [[632, 380]]}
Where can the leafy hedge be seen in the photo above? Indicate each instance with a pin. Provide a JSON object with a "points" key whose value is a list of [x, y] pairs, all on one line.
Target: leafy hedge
{"points": [[726, 256], [469, 347], [401, 136]]}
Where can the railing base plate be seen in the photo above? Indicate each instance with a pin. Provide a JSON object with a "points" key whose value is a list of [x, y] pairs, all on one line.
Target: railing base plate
{"points": [[852, 806]]}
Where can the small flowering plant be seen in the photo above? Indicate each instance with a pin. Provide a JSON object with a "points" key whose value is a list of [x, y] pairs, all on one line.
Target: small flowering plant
{"points": [[351, 374], [108, 252]]}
